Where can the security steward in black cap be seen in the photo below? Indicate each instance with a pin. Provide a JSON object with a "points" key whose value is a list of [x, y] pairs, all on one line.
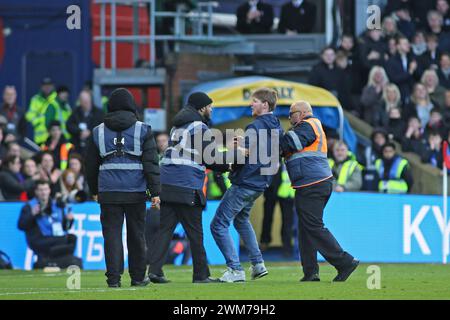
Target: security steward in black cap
{"points": [[182, 180], [121, 165]]}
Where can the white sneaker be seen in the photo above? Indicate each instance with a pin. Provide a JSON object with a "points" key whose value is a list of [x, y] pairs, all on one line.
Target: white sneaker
{"points": [[258, 271], [231, 275]]}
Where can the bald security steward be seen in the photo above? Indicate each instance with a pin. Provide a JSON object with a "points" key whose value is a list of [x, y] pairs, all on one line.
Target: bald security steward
{"points": [[304, 148]]}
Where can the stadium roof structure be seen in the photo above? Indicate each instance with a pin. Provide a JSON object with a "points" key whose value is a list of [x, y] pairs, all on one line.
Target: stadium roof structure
{"points": [[231, 100]]}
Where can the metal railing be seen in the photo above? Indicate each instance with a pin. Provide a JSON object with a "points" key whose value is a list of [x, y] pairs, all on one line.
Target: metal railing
{"points": [[199, 18]]}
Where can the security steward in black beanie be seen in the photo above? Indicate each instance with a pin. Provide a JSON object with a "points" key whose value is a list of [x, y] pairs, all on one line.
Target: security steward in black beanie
{"points": [[182, 180], [121, 166]]}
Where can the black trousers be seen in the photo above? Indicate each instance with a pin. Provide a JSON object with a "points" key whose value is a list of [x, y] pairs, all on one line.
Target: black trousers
{"points": [[191, 220], [313, 236], [287, 214], [54, 247], [112, 218]]}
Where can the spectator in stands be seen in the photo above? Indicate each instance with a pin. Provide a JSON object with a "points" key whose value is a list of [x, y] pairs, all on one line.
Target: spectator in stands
{"points": [[395, 126], [389, 27], [59, 110], [392, 47], [351, 50], [332, 137], [30, 172], [162, 143], [393, 171], [47, 169], [68, 186], [372, 97], [419, 44], [430, 59], [391, 97], [442, 6], [46, 225], [2, 146], [373, 51], [378, 139], [414, 138], [444, 70], [392, 5], [436, 92], [326, 75], [432, 151], [405, 24], [436, 123], [342, 64], [346, 170], [420, 105], [402, 69], [58, 145], [83, 119], [297, 16], [435, 26], [76, 165], [446, 109], [13, 184], [254, 16], [419, 10], [13, 149], [38, 106], [10, 110]]}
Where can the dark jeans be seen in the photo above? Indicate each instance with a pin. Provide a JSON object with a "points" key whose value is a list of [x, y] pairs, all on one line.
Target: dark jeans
{"points": [[313, 236], [112, 218], [287, 215], [191, 220]]}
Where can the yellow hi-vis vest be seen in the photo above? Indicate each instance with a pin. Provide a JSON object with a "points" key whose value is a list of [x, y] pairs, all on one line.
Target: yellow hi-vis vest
{"points": [[347, 169], [285, 189], [62, 115], [395, 184], [36, 116]]}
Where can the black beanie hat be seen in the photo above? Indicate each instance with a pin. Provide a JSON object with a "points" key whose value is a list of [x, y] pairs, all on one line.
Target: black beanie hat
{"points": [[199, 100], [121, 99]]}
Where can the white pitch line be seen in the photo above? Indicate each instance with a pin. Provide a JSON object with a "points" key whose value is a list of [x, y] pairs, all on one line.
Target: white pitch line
{"points": [[65, 291]]}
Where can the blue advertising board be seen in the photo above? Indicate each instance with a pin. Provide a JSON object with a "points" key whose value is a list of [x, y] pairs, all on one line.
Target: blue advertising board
{"points": [[372, 227], [88, 230]]}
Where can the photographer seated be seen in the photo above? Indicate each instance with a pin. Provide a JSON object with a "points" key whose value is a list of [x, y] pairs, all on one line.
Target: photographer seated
{"points": [[45, 224]]}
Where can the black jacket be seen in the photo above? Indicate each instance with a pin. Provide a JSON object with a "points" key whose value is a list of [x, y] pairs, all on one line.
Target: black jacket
{"points": [[367, 45], [301, 19], [401, 77], [443, 79], [263, 26], [426, 59], [333, 80], [11, 187], [177, 194], [93, 119], [119, 121]]}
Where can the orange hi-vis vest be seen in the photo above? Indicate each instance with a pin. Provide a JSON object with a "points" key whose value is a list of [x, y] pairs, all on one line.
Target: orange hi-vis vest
{"points": [[309, 165], [63, 154], [320, 144]]}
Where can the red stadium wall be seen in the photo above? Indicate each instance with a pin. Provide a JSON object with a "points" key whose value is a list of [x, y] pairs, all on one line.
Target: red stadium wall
{"points": [[124, 59]]}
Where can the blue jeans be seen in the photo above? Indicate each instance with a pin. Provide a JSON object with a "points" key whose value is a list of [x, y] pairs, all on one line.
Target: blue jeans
{"points": [[235, 207]]}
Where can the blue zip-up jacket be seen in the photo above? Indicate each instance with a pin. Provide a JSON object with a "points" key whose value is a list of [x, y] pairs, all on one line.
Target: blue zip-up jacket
{"points": [[249, 175]]}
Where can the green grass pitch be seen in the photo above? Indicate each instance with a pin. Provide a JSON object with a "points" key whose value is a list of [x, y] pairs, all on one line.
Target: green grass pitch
{"points": [[398, 281]]}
